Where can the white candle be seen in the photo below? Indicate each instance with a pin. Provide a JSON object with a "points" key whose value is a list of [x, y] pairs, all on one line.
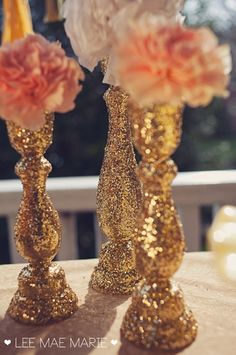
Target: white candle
{"points": [[222, 241]]}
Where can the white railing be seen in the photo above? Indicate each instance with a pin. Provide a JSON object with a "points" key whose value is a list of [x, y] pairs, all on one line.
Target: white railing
{"points": [[191, 190]]}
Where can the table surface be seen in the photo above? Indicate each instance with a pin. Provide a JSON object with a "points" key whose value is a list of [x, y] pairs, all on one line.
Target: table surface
{"points": [[212, 300]]}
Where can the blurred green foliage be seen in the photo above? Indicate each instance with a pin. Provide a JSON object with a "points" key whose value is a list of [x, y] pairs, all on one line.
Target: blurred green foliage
{"points": [[209, 133]]}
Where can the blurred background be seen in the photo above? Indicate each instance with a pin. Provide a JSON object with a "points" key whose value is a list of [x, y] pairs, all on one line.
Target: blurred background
{"points": [[208, 133]]}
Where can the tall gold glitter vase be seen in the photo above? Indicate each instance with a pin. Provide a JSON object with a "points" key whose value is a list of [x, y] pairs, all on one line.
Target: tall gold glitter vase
{"points": [[158, 316], [43, 294], [118, 201]]}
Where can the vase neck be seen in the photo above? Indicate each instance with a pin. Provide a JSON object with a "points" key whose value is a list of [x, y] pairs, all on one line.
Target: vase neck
{"points": [[119, 124], [157, 130], [31, 144]]}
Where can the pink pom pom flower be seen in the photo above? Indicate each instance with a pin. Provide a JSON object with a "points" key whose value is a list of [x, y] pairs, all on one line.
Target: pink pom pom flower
{"points": [[172, 64], [36, 76]]}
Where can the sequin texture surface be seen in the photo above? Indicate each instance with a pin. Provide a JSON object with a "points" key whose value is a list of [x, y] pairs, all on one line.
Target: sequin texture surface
{"points": [[158, 316], [43, 294], [118, 201]]}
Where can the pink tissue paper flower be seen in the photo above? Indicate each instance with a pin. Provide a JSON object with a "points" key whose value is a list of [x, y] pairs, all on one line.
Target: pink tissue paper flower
{"points": [[172, 64], [36, 76]]}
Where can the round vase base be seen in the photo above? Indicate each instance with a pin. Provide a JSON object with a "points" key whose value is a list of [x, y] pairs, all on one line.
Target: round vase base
{"points": [[43, 296], [113, 283], [116, 273], [159, 318], [169, 336]]}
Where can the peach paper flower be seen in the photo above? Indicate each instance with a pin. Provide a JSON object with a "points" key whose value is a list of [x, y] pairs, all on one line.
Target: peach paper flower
{"points": [[93, 25], [36, 76], [172, 64]]}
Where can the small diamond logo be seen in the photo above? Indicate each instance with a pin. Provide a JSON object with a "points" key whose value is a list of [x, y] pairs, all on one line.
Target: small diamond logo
{"points": [[7, 342], [114, 341]]}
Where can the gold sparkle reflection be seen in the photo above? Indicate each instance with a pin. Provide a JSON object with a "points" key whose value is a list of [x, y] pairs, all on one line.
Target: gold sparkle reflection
{"points": [[158, 316], [43, 294], [118, 201]]}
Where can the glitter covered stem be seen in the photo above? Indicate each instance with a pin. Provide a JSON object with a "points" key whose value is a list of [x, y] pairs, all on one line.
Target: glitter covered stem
{"points": [[118, 201], [158, 316], [43, 294]]}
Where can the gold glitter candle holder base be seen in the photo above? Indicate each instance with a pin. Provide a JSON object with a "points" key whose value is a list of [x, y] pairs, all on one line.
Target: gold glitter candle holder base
{"points": [[118, 201], [116, 272], [158, 316], [43, 294]]}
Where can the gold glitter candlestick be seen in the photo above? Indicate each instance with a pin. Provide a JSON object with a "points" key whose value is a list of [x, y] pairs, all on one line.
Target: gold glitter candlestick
{"points": [[118, 201], [43, 294], [158, 316]]}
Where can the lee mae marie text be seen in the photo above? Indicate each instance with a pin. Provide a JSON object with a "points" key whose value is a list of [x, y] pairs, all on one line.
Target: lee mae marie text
{"points": [[59, 343]]}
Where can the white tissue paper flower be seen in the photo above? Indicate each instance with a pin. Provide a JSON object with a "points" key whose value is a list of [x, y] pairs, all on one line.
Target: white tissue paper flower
{"points": [[88, 25], [93, 25]]}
